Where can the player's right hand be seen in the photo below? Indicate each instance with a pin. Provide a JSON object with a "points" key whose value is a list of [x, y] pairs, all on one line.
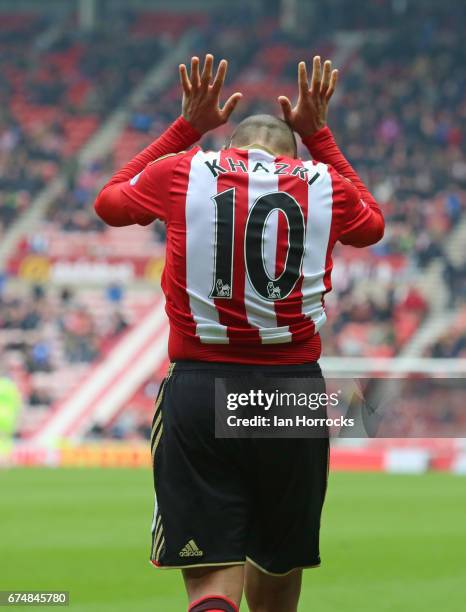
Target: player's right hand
{"points": [[201, 97], [310, 113]]}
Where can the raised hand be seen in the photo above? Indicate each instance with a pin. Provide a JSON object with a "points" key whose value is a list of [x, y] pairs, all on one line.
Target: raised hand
{"points": [[201, 97], [310, 113]]}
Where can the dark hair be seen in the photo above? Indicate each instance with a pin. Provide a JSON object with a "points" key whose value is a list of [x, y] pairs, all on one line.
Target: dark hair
{"points": [[266, 130]]}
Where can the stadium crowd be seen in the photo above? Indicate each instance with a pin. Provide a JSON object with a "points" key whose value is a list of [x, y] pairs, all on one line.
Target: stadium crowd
{"points": [[43, 329], [399, 116], [53, 99], [399, 138]]}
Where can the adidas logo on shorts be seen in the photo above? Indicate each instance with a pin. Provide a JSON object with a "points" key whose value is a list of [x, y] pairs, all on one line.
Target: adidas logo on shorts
{"points": [[191, 550]]}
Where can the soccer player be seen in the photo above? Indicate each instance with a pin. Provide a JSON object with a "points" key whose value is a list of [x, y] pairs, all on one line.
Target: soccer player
{"points": [[250, 233]]}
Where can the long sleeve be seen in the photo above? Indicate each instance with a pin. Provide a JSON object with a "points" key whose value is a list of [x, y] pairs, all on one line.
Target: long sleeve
{"points": [[113, 205], [364, 223]]}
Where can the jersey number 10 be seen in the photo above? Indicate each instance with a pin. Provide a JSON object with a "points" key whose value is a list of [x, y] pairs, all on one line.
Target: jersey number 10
{"points": [[265, 286]]}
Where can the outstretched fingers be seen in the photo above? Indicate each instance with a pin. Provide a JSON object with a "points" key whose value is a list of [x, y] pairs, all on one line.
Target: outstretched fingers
{"points": [[323, 82], [326, 77], [195, 77], [303, 82], [184, 79], [207, 71], [316, 76], [220, 77], [286, 107], [332, 85], [230, 105]]}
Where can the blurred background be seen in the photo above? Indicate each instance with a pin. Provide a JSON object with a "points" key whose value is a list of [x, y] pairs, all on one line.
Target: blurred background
{"points": [[86, 84]]}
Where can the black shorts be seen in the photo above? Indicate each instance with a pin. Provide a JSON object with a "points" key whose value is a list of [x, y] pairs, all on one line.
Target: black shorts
{"points": [[224, 501]]}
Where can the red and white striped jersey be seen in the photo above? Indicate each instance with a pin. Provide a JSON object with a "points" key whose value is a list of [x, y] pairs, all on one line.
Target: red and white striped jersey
{"points": [[249, 244]]}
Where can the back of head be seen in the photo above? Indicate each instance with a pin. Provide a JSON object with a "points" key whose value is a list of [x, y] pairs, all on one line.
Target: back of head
{"points": [[267, 131]]}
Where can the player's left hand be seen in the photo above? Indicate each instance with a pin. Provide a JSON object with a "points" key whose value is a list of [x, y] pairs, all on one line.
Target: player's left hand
{"points": [[310, 113], [201, 97]]}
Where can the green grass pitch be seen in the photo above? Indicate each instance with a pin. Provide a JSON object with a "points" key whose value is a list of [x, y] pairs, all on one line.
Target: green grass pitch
{"points": [[388, 542]]}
